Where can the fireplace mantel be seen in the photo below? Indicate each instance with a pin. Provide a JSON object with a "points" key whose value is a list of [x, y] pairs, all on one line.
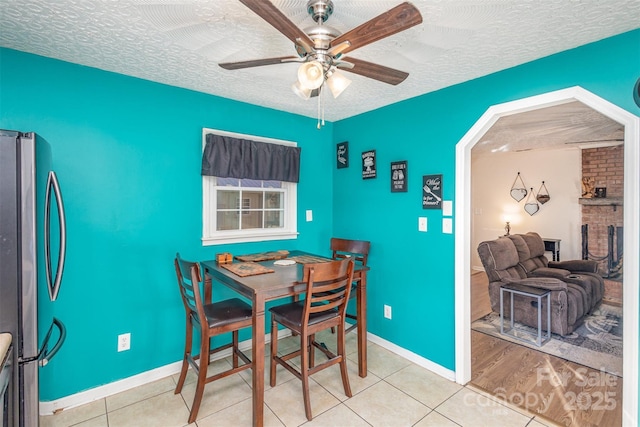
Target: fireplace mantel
{"points": [[601, 201]]}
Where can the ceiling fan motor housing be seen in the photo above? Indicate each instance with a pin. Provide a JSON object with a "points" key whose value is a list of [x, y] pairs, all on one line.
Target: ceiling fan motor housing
{"points": [[322, 36], [320, 10]]}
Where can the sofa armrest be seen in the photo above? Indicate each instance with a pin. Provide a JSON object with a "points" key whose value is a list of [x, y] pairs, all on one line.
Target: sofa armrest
{"points": [[586, 265], [556, 273], [540, 282]]}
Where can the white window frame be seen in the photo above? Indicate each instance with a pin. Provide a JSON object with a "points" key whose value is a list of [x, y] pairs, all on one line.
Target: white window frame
{"points": [[211, 236]]}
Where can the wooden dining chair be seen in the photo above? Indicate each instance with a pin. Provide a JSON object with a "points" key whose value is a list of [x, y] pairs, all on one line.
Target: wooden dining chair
{"points": [[209, 319], [328, 285], [358, 250]]}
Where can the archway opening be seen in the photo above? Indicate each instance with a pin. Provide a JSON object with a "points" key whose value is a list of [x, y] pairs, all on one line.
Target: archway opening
{"points": [[631, 249]]}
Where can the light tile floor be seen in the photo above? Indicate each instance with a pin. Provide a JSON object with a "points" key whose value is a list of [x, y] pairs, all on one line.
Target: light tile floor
{"points": [[396, 392]]}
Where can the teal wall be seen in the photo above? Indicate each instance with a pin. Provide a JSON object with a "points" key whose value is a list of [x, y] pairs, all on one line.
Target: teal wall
{"points": [[127, 152], [128, 155], [413, 271]]}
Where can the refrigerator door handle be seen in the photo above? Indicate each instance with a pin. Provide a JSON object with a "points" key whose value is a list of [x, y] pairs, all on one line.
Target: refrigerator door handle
{"points": [[54, 284], [44, 354]]}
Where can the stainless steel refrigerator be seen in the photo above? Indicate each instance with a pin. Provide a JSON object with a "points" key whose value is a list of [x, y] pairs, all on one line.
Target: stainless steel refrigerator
{"points": [[32, 256]]}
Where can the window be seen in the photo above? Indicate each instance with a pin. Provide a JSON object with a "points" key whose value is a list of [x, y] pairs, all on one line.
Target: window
{"points": [[262, 204], [247, 210]]}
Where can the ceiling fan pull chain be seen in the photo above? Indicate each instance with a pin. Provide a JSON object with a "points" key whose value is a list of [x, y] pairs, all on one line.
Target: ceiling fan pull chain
{"points": [[323, 102], [320, 107]]}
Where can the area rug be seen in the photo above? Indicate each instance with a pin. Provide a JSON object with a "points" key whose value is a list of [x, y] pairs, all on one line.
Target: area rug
{"points": [[596, 344]]}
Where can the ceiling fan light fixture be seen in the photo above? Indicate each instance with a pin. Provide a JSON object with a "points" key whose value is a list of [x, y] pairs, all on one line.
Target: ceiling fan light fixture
{"points": [[311, 75], [302, 92], [337, 83]]}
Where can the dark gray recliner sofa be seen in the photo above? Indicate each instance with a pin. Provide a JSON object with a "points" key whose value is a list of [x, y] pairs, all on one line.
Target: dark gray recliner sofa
{"points": [[581, 272], [505, 262]]}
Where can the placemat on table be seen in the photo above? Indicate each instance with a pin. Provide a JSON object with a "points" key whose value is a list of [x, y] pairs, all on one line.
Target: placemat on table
{"points": [[244, 269], [263, 256], [309, 259]]}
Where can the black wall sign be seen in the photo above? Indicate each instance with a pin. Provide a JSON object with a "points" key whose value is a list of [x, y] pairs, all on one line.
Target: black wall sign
{"points": [[369, 164], [399, 176], [432, 192], [342, 155]]}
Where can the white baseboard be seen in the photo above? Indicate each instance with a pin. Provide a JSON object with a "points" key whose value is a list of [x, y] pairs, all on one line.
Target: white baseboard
{"points": [[93, 394], [103, 391], [418, 360]]}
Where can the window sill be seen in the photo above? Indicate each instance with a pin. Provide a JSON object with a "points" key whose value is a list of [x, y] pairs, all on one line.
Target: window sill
{"points": [[247, 238]]}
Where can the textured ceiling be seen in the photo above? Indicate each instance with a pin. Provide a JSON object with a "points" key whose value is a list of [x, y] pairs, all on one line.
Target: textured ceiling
{"points": [[180, 42], [572, 125]]}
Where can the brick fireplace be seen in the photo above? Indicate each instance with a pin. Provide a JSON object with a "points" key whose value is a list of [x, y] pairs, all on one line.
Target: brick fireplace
{"points": [[606, 166]]}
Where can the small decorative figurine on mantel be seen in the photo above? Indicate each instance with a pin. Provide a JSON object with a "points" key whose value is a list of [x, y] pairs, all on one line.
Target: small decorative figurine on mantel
{"points": [[588, 186]]}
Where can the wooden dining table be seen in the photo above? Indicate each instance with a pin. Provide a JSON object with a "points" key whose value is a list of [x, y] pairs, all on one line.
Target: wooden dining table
{"points": [[284, 281]]}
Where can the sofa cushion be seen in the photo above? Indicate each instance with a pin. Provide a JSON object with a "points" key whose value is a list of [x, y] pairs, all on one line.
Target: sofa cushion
{"points": [[530, 251], [521, 246], [500, 259], [503, 254], [535, 243]]}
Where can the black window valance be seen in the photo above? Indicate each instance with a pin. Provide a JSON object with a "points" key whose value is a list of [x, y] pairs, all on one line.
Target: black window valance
{"points": [[228, 157]]}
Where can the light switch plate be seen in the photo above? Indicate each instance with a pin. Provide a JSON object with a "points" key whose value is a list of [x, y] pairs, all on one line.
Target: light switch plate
{"points": [[422, 223], [447, 207], [447, 225], [309, 215]]}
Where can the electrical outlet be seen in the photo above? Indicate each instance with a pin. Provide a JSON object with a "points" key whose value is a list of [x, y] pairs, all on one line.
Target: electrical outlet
{"points": [[387, 311], [124, 341]]}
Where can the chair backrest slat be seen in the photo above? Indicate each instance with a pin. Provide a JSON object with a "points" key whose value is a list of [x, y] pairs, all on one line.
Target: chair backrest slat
{"points": [[189, 280], [346, 248], [328, 286]]}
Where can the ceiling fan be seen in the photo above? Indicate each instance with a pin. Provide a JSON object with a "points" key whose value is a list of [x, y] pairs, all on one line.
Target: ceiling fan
{"points": [[320, 48]]}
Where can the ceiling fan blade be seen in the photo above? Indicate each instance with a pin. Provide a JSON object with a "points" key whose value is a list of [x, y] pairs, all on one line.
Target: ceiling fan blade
{"points": [[267, 11], [258, 62], [393, 21], [375, 71]]}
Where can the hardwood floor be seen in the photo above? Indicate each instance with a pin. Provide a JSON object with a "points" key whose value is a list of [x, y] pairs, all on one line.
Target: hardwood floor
{"points": [[563, 392], [480, 304]]}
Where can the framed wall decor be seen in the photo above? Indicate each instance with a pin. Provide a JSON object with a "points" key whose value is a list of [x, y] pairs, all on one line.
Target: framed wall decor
{"points": [[399, 176], [342, 155], [432, 192], [369, 164]]}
